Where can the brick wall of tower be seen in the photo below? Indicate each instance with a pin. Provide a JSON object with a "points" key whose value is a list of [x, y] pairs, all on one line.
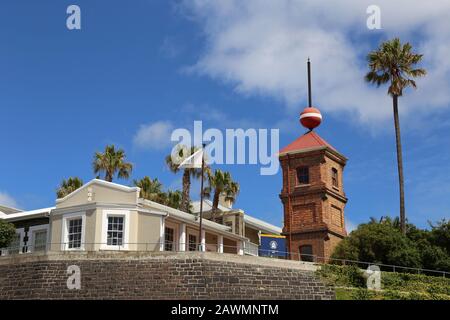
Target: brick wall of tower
{"points": [[316, 213]]}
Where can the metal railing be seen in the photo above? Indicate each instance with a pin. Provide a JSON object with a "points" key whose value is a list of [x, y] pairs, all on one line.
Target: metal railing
{"points": [[170, 246], [315, 259], [249, 249]]}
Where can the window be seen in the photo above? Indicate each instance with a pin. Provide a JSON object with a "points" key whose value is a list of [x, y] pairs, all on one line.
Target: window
{"points": [[169, 238], [192, 243], [115, 231], [306, 253], [334, 177], [39, 240], [303, 175], [74, 233], [14, 246]]}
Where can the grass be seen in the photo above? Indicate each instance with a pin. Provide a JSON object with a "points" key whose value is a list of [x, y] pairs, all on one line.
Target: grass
{"points": [[350, 284]]}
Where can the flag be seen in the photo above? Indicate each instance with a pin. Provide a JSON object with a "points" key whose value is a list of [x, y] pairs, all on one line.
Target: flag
{"points": [[193, 161]]}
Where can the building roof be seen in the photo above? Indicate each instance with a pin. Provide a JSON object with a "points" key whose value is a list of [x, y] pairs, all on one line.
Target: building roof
{"points": [[264, 226], [24, 215], [8, 210], [249, 220], [207, 206], [100, 182], [309, 141], [187, 217]]}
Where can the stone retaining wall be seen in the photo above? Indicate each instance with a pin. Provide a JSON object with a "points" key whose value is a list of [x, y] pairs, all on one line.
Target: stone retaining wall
{"points": [[158, 276]]}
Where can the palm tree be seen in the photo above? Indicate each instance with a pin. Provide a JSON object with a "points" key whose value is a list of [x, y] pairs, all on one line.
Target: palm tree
{"points": [[182, 152], [68, 186], [112, 161], [150, 189], [174, 199], [394, 63], [222, 184], [171, 198]]}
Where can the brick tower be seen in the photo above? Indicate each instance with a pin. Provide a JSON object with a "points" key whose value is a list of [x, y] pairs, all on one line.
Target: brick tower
{"points": [[313, 192]]}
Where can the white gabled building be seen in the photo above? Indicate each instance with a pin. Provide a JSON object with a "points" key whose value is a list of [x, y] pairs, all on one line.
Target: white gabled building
{"points": [[108, 216]]}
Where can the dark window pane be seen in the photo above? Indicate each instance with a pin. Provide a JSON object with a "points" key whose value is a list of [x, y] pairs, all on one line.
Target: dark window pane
{"points": [[169, 238], [192, 243], [303, 175], [334, 177], [306, 253]]}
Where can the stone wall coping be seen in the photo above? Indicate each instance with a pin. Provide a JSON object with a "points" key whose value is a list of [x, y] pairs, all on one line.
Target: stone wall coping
{"points": [[122, 255]]}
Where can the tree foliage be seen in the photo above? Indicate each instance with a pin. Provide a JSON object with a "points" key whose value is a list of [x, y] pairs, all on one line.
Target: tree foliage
{"points": [[382, 242], [7, 233], [393, 63], [152, 189], [222, 184], [173, 163], [110, 162], [68, 186]]}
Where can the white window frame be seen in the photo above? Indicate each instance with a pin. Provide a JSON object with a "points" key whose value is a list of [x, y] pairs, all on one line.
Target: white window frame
{"points": [[126, 229], [65, 235], [31, 239]]}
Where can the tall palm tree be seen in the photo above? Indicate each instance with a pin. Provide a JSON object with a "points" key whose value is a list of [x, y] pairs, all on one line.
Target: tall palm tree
{"points": [[222, 184], [183, 152], [151, 189], [112, 161], [68, 186], [393, 63]]}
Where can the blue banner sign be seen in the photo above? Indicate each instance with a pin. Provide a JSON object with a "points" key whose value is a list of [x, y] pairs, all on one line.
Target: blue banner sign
{"points": [[272, 245]]}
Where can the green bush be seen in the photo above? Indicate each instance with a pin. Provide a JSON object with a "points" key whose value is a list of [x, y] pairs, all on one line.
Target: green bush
{"points": [[395, 286], [378, 243], [7, 233], [346, 276], [362, 294], [381, 242], [415, 283]]}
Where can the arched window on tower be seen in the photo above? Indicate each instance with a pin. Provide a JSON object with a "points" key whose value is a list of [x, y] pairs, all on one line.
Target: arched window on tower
{"points": [[306, 253], [302, 175], [334, 178]]}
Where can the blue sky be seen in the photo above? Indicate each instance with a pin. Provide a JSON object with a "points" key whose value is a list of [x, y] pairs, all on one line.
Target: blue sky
{"points": [[158, 65]]}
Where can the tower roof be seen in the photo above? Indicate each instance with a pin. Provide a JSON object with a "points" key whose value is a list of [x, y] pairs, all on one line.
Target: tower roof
{"points": [[308, 141]]}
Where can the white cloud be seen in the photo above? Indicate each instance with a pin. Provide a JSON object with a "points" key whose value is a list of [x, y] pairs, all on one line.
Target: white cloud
{"points": [[7, 201], [260, 47], [217, 117], [350, 226], [153, 135]]}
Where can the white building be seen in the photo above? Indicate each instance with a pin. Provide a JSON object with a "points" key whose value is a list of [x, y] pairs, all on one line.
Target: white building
{"points": [[108, 216]]}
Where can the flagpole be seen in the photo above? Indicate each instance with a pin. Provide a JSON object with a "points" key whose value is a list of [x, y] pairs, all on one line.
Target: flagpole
{"points": [[201, 199]]}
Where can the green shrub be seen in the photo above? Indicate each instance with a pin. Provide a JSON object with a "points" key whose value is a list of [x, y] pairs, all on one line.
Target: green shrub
{"points": [[347, 276], [378, 243], [396, 286], [415, 283], [7, 233], [362, 294]]}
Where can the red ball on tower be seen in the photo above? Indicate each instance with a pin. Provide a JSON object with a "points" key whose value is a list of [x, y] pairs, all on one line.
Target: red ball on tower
{"points": [[310, 118]]}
